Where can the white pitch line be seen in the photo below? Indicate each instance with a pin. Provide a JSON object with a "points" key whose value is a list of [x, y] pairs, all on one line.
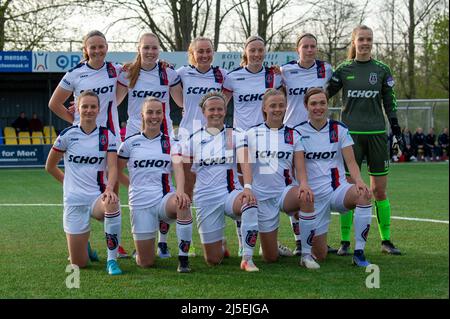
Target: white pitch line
{"points": [[412, 218], [373, 216]]}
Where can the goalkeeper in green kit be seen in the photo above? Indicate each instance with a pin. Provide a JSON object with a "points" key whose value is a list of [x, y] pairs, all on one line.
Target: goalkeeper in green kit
{"points": [[367, 88]]}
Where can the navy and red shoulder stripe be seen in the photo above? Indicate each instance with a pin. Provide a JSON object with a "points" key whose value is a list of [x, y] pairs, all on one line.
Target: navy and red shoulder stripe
{"points": [[288, 135], [335, 178], [218, 77], [163, 78], [109, 120], [164, 127], [67, 129], [111, 70], [230, 180], [103, 141], [321, 72], [269, 78], [333, 131], [165, 144]]}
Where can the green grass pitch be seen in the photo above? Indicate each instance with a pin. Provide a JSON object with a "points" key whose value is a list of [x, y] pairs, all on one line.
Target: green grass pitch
{"points": [[33, 254]]}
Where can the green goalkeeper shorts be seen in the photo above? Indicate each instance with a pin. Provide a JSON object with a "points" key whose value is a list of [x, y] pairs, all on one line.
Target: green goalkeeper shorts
{"points": [[373, 148]]}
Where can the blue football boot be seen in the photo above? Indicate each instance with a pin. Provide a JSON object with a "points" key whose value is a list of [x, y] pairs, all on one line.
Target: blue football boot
{"points": [[359, 259], [112, 267]]}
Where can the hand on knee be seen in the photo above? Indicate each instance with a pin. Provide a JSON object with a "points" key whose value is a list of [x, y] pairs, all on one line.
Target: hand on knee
{"points": [[307, 207], [362, 200], [111, 207], [184, 215]]}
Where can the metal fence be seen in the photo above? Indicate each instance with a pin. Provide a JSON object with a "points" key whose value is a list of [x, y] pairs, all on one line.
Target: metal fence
{"points": [[424, 113]]}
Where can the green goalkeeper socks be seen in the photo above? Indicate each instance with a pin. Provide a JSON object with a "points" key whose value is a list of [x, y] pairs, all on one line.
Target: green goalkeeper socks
{"points": [[346, 221], [383, 210]]}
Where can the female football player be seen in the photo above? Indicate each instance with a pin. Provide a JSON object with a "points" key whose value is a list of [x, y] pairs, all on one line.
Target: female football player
{"points": [[148, 157], [327, 144], [297, 77], [89, 152], [212, 153], [275, 151], [96, 74], [368, 88]]}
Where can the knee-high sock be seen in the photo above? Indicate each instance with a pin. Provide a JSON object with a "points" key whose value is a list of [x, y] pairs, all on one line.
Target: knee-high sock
{"points": [[112, 226], [363, 219], [295, 223], [163, 231], [346, 221], [238, 231], [383, 210], [308, 227], [249, 228], [184, 235]]}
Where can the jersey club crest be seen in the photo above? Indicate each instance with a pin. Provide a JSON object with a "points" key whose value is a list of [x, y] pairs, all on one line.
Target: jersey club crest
{"points": [[373, 78]]}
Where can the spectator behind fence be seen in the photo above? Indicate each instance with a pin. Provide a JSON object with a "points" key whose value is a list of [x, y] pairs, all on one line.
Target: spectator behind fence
{"points": [[419, 144], [35, 124], [431, 152], [409, 148], [443, 144], [21, 123]]}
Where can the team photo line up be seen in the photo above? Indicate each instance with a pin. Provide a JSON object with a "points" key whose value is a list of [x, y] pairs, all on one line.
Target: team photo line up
{"points": [[282, 153]]}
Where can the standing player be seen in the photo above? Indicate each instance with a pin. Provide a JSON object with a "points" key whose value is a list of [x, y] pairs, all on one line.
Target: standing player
{"points": [[298, 76], [246, 85], [368, 87], [146, 77], [98, 75], [150, 163], [197, 79], [327, 144], [212, 154], [89, 152], [275, 150]]}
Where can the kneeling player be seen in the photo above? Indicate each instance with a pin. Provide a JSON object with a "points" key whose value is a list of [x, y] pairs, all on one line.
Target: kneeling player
{"points": [[150, 163], [274, 149], [89, 152], [327, 144], [211, 153]]}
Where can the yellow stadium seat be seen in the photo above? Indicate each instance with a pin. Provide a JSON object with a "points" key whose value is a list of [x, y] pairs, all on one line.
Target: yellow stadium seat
{"points": [[24, 138], [10, 135], [37, 137], [47, 130]]}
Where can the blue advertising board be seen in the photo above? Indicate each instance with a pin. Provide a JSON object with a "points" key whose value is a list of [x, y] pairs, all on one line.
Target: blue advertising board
{"points": [[23, 155], [61, 62], [16, 61]]}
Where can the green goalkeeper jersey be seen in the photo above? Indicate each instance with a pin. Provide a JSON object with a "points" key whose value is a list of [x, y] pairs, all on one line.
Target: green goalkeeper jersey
{"points": [[367, 88]]}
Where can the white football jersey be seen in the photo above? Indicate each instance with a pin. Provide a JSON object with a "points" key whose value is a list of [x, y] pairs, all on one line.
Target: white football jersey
{"points": [[214, 162], [85, 163], [156, 83], [103, 82], [248, 90], [272, 157], [195, 85], [297, 81], [323, 155], [149, 168]]}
